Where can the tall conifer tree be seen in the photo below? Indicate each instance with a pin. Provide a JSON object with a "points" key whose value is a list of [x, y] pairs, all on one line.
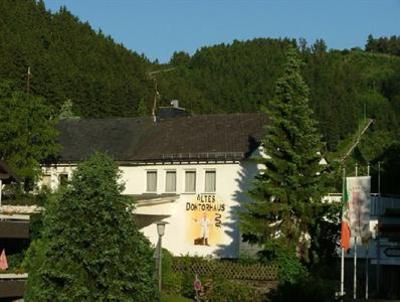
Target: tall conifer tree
{"points": [[287, 192]]}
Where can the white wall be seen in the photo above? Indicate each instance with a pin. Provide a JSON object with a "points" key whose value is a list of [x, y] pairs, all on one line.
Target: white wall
{"points": [[54, 172], [229, 183], [232, 179]]}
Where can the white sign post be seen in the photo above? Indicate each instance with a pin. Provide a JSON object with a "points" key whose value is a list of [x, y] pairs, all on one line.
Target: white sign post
{"points": [[197, 287]]}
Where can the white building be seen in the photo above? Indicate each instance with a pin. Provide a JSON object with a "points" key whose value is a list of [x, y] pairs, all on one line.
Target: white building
{"points": [[190, 171]]}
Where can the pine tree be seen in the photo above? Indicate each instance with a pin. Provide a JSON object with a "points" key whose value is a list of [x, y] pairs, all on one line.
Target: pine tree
{"points": [[91, 249], [287, 192]]}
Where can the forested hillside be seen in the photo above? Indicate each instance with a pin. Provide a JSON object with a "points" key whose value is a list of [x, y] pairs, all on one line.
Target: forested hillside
{"points": [[346, 88], [240, 77], [70, 61]]}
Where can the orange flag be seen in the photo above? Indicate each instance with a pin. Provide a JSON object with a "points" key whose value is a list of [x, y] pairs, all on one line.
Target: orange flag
{"points": [[345, 231], [345, 236], [3, 261]]}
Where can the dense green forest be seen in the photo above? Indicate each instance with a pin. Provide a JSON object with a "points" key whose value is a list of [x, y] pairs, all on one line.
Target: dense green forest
{"points": [[70, 62], [241, 77]]}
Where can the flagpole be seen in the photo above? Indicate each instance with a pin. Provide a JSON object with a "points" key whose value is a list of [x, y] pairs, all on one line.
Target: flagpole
{"points": [[367, 257], [378, 243], [355, 259], [342, 257]]}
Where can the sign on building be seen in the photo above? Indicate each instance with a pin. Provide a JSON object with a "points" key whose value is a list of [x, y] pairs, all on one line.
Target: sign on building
{"points": [[205, 216]]}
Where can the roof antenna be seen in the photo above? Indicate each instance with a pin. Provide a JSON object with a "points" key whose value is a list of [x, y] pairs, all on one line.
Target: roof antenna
{"points": [[156, 95]]}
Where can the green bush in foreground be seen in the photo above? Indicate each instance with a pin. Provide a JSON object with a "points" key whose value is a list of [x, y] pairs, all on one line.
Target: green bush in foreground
{"points": [[91, 249], [216, 288], [222, 290], [310, 289]]}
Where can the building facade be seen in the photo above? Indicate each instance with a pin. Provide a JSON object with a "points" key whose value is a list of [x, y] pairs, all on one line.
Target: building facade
{"points": [[191, 172]]}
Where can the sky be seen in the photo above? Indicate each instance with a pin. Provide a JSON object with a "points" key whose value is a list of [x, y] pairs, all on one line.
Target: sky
{"points": [[158, 28]]}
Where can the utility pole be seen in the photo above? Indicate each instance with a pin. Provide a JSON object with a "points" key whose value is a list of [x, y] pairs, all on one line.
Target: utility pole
{"points": [[28, 80]]}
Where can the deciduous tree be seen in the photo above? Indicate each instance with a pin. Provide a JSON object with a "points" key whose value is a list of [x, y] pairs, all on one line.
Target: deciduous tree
{"points": [[91, 249], [27, 132]]}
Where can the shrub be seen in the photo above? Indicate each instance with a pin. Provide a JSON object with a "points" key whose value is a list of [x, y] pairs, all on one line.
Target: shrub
{"points": [[222, 290], [14, 195], [171, 281], [290, 268], [310, 289], [214, 276], [15, 262], [90, 248]]}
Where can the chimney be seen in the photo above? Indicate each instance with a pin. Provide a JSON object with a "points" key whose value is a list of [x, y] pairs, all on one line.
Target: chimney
{"points": [[175, 103]]}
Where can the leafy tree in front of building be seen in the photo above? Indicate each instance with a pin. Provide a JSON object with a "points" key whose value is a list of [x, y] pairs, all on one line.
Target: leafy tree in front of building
{"points": [[286, 194], [90, 248], [27, 132]]}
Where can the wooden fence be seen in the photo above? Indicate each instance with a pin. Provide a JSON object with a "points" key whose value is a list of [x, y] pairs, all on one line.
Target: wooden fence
{"points": [[226, 269]]}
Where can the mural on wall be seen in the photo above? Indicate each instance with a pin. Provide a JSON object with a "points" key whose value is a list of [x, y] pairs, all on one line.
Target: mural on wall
{"points": [[205, 217]]}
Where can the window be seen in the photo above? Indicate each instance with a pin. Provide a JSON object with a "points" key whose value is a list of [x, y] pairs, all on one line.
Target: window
{"points": [[63, 179], [151, 181], [210, 181], [190, 181], [170, 181], [46, 181]]}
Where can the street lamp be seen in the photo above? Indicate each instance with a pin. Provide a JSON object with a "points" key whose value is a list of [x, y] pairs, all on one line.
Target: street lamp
{"points": [[160, 231]]}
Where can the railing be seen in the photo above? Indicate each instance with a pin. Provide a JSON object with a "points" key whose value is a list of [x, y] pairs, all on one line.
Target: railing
{"points": [[12, 286], [379, 204], [204, 156]]}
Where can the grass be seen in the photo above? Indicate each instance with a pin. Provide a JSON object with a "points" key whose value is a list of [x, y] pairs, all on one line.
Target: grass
{"points": [[169, 298]]}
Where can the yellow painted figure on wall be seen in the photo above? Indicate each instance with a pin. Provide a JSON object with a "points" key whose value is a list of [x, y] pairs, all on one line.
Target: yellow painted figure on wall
{"points": [[204, 220], [204, 223]]}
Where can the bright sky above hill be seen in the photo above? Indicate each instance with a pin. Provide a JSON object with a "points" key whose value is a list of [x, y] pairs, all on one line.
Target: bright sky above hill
{"points": [[157, 28]]}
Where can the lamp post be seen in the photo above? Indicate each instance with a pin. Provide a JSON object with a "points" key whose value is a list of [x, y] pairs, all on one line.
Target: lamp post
{"points": [[160, 231]]}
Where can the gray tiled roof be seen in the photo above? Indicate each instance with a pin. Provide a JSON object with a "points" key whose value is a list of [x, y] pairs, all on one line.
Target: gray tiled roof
{"points": [[217, 136]]}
